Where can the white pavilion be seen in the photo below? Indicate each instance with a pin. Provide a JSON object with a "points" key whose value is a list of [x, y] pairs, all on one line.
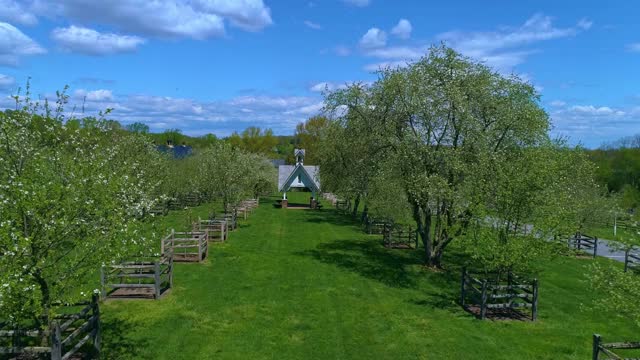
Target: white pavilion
{"points": [[299, 176]]}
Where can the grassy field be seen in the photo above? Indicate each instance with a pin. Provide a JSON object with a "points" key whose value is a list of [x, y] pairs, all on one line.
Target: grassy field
{"points": [[302, 284]]}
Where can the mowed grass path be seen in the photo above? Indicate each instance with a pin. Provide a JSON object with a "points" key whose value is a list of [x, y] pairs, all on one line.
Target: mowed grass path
{"points": [[302, 284]]}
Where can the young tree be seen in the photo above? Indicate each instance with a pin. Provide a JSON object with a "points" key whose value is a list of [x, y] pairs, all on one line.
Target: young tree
{"points": [[68, 203], [620, 291]]}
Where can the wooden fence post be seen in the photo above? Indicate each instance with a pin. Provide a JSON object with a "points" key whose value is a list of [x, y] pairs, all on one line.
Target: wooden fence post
{"points": [[483, 300], [156, 277], [534, 305], [626, 260], [95, 305], [596, 346], [464, 276], [103, 279], [595, 246], [171, 272], [56, 341]]}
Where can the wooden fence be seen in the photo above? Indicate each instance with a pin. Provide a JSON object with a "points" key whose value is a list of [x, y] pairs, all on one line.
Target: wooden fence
{"points": [[399, 237], [190, 246], [375, 226], [631, 260], [68, 335], [606, 349], [497, 295], [216, 229], [246, 207], [231, 219], [343, 205], [584, 243], [141, 279]]}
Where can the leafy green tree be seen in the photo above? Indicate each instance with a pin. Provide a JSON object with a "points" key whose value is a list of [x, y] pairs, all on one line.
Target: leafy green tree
{"points": [[442, 122], [234, 175], [138, 127], [69, 200], [620, 291], [255, 140], [309, 135]]}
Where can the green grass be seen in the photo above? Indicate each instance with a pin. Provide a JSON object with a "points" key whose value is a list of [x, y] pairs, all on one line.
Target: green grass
{"points": [[302, 284]]}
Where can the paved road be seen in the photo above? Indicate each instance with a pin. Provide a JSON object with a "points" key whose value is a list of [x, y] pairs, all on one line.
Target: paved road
{"points": [[605, 249]]}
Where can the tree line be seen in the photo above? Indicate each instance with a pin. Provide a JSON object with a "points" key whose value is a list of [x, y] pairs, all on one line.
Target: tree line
{"points": [[77, 193]]}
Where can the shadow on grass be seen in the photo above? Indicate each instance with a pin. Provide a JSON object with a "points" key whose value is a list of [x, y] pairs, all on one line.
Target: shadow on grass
{"points": [[396, 268], [369, 259], [332, 216], [116, 344]]}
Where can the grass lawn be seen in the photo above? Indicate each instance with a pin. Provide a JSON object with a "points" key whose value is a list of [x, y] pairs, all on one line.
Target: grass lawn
{"points": [[303, 284]]}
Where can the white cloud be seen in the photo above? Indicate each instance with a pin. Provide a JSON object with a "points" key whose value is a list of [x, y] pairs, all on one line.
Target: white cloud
{"points": [[403, 29], [312, 109], [591, 110], [594, 125], [14, 45], [399, 52], [280, 113], [313, 25], [197, 19], [386, 64], [635, 47], [90, 42], [585, 24], [558, 103], [332, 86], [360, 3], [503, 49], [6, 81], [250, 15], [16, 12], [94, 95], [342, 50], [373, 38]]}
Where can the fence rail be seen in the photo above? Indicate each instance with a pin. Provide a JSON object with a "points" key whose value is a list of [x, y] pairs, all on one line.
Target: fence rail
{"points": [[632, 260], [140, 279], [584, 243], [190, 246], [67, 335], [216, 229], [600, 348], [398, 237], [491, 294]]}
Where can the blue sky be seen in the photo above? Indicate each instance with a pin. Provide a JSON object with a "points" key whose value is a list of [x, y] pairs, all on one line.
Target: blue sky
{"points": [[222, 65]]}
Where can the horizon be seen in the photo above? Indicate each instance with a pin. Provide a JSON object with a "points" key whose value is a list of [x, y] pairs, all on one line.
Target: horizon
{"points": [[222, 66]]}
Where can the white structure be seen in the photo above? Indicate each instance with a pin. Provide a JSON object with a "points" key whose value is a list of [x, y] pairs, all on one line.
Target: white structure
{"points": [[298, 176]]}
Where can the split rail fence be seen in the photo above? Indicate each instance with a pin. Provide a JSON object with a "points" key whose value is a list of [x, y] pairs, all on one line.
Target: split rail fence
{"points": [[632, 260], [192, 246], [607, 349], [584, 243], [216, 229], [496, 295], [70, 335], [398, 237], [148, 278]]}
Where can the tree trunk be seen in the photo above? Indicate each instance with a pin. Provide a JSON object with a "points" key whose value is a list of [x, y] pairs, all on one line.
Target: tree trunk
{"points": [[356, 203], [422, 217], [365, 213], [45, 303]]}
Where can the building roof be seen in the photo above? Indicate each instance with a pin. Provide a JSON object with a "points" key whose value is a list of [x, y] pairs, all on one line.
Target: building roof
{"points": [[307, 173]]}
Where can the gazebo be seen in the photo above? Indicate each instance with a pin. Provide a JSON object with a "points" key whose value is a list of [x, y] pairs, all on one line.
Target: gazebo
{"points": [[299, 176]]}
